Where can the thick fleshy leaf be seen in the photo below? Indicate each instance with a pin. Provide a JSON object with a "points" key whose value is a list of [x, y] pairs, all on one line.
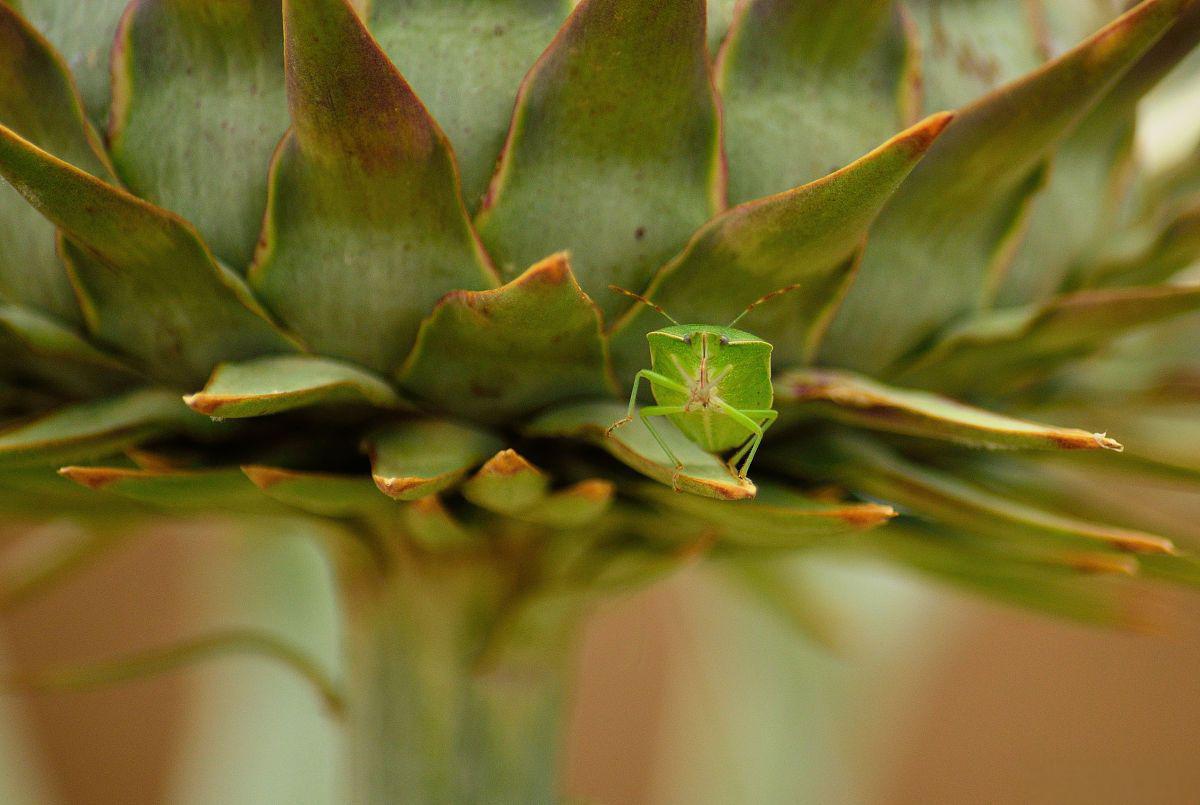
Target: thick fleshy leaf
{"points": [[857, 400], [575, 506], [150, 287], [494, 355], [221, 490], [1175, 247], [283, 382], [83, 34], [998, 351], [506, 484], [944, 498], [198, 107], [930, 254], [38, 349], [703, 473], [1053, 591], [1080, 203], [470, 94], [94, 429], [616, 122], [321, 493], [365, 228], [807, 87], [38, 101], [431, 525], [411, 460], [776, 518], [806, 236]]}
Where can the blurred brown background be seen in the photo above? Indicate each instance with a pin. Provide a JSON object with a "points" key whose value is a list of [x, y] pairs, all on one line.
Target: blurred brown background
{"points": [[687, 695]]}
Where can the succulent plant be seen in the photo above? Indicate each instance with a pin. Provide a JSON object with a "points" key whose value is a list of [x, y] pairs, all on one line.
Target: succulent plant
{"points": [[353, 262]]}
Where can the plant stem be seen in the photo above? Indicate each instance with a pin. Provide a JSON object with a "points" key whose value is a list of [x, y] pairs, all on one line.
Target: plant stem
{"points": [[436, 714]]}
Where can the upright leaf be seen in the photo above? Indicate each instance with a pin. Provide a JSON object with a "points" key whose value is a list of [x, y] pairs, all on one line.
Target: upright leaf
{"points": [[493, 355], [929, 254], [807, 237], [807, 87], [617, 121], [506, 484], [470, 92], [39, 102], [198, 107], [365, 228]]}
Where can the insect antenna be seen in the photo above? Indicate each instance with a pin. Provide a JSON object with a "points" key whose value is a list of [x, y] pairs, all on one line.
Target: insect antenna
{"points": [[643, 300], [764, 298]]}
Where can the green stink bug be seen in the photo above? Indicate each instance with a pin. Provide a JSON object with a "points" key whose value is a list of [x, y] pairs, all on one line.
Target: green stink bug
{"points": [[711, 382]]}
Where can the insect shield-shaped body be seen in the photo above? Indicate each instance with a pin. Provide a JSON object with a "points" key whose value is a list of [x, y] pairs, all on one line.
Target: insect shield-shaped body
{"points": [[711, 382]]}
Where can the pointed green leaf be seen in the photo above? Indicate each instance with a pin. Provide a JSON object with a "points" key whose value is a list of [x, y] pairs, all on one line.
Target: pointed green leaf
{"points": [[1176, 247], [94, 429], [320, 493], [575, 506], [1053, 591], [283, 382], [471, 94], [776, 518], [198, 107], [1000, 350], [365, 229], [494, 355], [83, 33], [928, 257], [218, 490], [1081, 202], [429, 523], [36, 348], [38, 101], [411, 460], [806, 236], [857, 400], [178, 323], [807, 87], [944, 498], [617, 121], [506, 484], [703, 473]]}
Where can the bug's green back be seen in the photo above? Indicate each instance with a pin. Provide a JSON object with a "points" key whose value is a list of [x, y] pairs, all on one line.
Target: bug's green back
{"points": [[743, 363]]}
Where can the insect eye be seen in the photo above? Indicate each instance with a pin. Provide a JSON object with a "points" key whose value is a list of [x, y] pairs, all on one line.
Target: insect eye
{"points": [[687, 339], [724, 340]]}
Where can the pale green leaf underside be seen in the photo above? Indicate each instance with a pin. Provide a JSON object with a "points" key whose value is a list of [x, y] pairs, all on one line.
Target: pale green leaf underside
{"points": [[506, 484], [703, 473], [280, 383], [857, 400], [411, 460]]}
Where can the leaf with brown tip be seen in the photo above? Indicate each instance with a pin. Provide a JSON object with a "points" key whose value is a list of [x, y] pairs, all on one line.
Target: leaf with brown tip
{"points": [[857, 400], [411, 460], [365, 229], [506, 484], [494, 355], [573, 507], [320, 493], [217, 490], [702, 474], [617, 120]]}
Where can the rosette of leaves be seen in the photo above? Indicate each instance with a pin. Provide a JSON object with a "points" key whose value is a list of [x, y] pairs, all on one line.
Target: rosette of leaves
{"points": [[351, 261]]}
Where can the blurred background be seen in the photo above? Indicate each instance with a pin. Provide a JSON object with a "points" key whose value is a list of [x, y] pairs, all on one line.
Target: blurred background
{"points": [[686, 693]]}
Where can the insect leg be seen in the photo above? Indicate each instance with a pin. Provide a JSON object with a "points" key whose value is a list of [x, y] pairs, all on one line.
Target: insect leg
{"points": [[653, 377], [664, 410], [749, 420]]}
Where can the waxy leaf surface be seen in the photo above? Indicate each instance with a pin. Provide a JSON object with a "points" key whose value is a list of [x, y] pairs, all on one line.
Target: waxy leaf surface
{"points": [[616, 122], [218, 490], [411, 460], [365, 229], [573, 507], [494, 355], [280, 383], [198, 108], [465, 60], [703, 473], [323, 494], [930, 254], [857, 400], [38, 102], [807, 87], [506, 484]]}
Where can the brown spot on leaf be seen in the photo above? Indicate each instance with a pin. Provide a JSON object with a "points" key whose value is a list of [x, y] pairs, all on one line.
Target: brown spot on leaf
{"points": [[507, 463]]}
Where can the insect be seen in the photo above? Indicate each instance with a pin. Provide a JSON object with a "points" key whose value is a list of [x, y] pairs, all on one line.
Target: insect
{"points": [[711, 382]]}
